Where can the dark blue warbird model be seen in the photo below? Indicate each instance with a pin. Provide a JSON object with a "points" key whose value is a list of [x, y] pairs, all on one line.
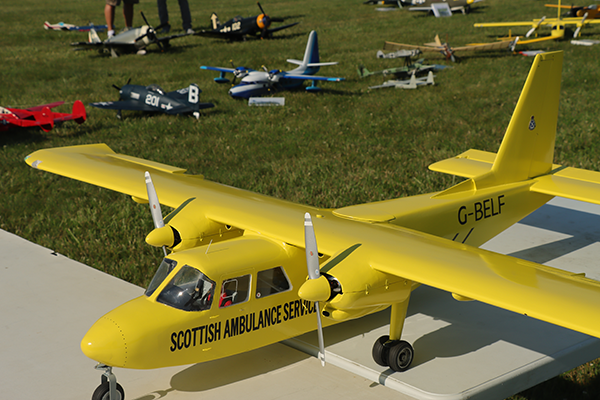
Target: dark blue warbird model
{"points": [[153, 99], [238, 28]]}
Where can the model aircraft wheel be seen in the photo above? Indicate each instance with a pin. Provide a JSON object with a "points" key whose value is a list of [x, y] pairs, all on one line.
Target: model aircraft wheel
{"points": [[381, 351], [401, 355], [102, 392]]}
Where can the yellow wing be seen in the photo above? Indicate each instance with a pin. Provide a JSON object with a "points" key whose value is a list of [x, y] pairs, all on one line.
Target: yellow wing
{"points": [[542, 292]]}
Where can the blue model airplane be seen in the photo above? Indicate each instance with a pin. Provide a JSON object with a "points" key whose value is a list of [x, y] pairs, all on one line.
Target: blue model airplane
{"points": [[258, 83]]}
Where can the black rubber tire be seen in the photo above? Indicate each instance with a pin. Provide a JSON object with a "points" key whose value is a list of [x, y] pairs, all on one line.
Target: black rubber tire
{"points": [[401, 356], [101, 392], [381, 352]]}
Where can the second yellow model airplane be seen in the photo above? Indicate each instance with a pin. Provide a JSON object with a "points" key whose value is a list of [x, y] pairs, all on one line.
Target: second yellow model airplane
{"points": [[236, 275], [557, 26]]}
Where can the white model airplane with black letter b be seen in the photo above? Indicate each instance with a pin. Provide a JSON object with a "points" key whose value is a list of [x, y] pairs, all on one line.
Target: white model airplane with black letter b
{"points": [[258, 83]]}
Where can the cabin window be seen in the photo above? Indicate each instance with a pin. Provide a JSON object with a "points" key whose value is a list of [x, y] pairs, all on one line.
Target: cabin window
{"points": [[189, 290], [271, 281], [234, 291], [164, 269]]}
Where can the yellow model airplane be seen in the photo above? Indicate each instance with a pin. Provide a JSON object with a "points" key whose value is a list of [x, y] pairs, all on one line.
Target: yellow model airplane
{"points": [[446, 50], [236, 275], [557, 26]]}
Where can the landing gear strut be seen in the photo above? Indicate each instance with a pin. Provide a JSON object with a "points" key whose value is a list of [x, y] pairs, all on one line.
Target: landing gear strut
{"points": [[109, 389], [396, 354]]}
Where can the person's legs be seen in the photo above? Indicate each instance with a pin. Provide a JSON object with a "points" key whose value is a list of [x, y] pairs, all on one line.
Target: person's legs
{"points": [[186, 17]]}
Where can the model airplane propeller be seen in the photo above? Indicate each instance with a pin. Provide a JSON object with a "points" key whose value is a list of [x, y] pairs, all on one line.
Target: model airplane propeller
{"points": [[153, 99], [315, 284], [258, 83], [134, 40], [239, 28]]}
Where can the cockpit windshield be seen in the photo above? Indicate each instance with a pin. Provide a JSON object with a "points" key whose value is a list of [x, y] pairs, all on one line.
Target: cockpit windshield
{"points": [[189, 290], [164, 269], [155, 88]]}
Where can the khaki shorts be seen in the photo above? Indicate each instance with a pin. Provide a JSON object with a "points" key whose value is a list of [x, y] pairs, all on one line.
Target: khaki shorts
{"points": [[117, 2]]}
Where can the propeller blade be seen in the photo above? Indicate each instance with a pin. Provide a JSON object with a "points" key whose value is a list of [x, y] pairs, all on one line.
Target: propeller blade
{"points": [[154, 205], [535, 27], [116, 87], [261, 9], [320, 331], [312, 254], [312, 263], [576, 34], [153, 201], [144, 18]]}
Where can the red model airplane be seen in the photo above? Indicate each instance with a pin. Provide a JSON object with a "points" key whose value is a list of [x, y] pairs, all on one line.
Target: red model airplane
{"points": [[41, 116]]}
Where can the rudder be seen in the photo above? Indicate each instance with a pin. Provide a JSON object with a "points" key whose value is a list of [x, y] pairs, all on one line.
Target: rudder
{"points": [[527, 149]]}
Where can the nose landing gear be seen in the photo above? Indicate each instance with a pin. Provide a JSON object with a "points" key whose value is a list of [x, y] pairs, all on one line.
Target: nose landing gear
{"points": [[109, 389]]}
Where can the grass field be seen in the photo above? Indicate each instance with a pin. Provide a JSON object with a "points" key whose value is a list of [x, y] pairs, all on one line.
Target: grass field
{"points": [[343, 146]]}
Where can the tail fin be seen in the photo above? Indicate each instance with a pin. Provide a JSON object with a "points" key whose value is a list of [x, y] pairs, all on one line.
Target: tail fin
{"points": [[79, 112], [214, 21], [363, 71], [311, 54], [527, 149], [429, 80], [93, 36]]}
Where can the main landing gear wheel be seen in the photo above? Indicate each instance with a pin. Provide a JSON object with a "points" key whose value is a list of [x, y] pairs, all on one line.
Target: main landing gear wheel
{"points": [[102, 392], [401, 355], [397, 354], [381, 351]]}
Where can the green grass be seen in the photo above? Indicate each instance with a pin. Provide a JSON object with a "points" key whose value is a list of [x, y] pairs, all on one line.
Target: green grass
{"points": [[343, 146]]}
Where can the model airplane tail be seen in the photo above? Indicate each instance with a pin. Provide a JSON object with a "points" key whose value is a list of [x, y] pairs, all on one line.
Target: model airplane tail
{"points": [[527, 150], [214, 21], [310, 62], [79, 112], [93, 36], [363, 71]]}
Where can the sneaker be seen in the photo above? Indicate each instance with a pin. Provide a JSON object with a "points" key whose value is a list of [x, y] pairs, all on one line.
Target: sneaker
{"points": [[111, 33], [190, 31], [166, 29]]}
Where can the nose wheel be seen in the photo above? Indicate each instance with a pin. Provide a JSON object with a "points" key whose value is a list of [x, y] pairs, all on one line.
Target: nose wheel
{"points": [[109, 389], [396, 354]]}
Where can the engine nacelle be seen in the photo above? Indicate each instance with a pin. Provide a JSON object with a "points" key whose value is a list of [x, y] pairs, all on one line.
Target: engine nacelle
{"points": [[363, 288], [187, 227]]}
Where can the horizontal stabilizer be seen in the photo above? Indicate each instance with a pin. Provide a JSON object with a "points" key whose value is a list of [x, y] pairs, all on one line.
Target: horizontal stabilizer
{"points": [[571, 183], [320, 64], [469, 164]]}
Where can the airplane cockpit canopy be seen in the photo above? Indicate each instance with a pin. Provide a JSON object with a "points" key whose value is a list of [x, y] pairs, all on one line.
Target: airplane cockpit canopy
{"points": [[189, 290], [155, 88]]}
